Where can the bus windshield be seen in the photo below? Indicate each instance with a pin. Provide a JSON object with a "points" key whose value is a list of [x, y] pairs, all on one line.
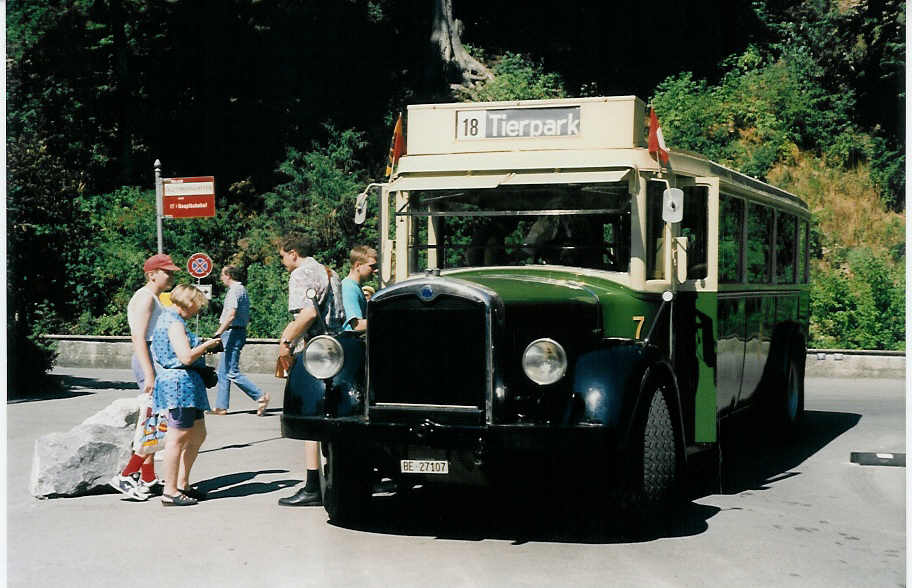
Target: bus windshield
{"points": [[579, 225]]}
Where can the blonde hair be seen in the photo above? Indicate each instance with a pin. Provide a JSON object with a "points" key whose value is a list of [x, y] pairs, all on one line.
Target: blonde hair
{"points": [[361, 253], [185, 297]]}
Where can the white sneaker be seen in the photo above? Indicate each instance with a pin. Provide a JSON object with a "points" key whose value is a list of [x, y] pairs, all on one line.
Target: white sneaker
{"points": [[152, 488], [125, 484], [139, 493]]}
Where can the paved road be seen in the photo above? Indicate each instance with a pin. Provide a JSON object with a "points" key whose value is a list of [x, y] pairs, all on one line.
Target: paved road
{"points": [[807, 517]]}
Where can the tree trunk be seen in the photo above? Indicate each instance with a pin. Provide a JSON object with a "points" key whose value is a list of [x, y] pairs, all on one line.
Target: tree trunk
{"points": [[455, 65]]}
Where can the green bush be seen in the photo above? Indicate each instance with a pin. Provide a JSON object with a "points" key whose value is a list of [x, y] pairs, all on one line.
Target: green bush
{"points": [[317, 199], [860, 304], [767, 105], [516, 77]]}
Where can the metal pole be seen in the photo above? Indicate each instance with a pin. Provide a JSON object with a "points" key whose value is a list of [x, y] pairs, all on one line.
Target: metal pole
{"points": [[159, 206], [197, 314]]}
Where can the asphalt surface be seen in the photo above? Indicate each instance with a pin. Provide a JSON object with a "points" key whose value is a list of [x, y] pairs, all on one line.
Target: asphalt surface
{"points": [[803, 516]]}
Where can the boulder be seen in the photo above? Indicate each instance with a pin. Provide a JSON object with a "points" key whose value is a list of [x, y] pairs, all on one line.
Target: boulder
{"points": [[87, 456], [123, 412]]}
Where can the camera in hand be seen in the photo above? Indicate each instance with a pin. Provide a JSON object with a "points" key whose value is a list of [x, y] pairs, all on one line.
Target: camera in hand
{"points": [[217, 349]]}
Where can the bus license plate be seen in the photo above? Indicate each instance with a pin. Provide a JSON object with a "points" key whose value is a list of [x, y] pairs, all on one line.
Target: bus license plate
{"points": [[424, 466]]}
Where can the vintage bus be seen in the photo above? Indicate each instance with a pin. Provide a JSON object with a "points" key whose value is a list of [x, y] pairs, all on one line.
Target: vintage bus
{"points": [[554, 294]]}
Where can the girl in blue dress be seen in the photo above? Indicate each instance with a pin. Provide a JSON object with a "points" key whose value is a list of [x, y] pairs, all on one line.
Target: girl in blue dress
{"points": [[180, 392]]}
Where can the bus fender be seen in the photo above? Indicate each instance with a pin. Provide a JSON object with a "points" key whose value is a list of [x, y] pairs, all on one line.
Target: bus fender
{"points": [[609, 385], [343, 395], [606, 382], [787, 343]]}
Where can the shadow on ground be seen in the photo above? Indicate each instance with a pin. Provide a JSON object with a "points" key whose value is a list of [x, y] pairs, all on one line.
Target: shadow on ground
{"points": [[60, 387], [755, 458], [541, 515], [551, 512], [242, 484]]}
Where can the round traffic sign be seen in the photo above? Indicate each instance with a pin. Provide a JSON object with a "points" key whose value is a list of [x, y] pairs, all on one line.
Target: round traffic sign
{"points": [[199, 265]]}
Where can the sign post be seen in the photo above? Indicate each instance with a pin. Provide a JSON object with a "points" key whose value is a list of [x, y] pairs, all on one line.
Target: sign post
{"points": [[158, 202], [192, 197], [199, 265]]}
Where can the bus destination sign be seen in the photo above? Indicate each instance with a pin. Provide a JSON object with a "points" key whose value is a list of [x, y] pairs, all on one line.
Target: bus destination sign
{"points": [[474, 125]]}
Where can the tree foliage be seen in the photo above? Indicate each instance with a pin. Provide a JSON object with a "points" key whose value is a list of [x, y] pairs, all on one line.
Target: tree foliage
{"points": [[800, 92], [516, 77], [244, 90]]}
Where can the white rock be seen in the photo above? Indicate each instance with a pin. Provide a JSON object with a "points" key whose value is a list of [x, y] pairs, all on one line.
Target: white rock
{"points": [[80, 460], [88, 455], [123, 412]]}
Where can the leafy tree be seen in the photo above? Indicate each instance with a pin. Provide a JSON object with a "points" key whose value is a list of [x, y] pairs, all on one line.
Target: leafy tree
{"points": [[764, 109], [515, 77]]}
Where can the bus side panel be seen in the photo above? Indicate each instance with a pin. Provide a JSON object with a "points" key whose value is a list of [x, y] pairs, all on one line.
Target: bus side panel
{"points": [[730, 352], [695, 334], [758, 310]]}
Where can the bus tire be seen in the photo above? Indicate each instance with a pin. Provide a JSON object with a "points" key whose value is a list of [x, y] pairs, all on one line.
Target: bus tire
{"points": [[788, 403], [346, 483], [654, 475]]}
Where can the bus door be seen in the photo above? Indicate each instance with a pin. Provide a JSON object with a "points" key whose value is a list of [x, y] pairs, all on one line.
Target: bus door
{"points": [[695, 308]]}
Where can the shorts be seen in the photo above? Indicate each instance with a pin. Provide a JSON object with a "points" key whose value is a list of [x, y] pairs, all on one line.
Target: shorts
{"points": [[138, 372], [184, 417]]}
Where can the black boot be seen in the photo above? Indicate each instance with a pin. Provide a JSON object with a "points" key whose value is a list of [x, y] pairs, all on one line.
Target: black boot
{"points": [[303, 497]]}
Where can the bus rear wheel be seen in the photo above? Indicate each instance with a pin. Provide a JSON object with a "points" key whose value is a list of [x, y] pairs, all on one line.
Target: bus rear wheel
{"points": [[788, 402]]}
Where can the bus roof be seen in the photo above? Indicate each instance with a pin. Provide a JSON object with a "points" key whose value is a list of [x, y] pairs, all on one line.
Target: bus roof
{"points": [[568, 135]]}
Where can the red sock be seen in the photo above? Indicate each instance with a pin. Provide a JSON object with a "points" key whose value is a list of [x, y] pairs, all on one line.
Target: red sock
{"points": [[148, 471], [133, 465]]}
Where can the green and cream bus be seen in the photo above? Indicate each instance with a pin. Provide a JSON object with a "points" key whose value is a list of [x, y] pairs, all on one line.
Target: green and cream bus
{"points": [[553, 294]]}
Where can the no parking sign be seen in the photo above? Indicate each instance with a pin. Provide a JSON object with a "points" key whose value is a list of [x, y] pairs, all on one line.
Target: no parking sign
{"points": [[199, 265]]}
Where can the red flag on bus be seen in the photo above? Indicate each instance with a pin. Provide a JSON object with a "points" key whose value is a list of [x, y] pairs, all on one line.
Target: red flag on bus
{"points": [[656, 140], [397, 147]]}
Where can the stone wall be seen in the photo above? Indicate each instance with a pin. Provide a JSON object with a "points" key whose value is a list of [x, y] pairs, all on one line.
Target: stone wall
{"points": [[259, 357]]}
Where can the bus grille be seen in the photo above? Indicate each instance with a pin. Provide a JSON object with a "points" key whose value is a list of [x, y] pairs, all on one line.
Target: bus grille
{"points": [[430, 353]]}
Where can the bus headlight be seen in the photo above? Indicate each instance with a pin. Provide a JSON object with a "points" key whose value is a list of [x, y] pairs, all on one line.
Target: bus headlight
{"points": [[544, 361], [323, 357]]}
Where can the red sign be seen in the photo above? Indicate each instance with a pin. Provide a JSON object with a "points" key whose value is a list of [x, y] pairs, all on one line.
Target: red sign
{"points": [[199, 265], [188, 197]]}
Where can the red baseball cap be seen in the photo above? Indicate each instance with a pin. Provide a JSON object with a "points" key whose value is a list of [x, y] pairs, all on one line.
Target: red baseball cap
{"points": [[159, 261]]}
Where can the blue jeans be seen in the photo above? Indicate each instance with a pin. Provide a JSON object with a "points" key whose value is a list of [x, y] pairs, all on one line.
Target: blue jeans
{"points": [[233, 340]]}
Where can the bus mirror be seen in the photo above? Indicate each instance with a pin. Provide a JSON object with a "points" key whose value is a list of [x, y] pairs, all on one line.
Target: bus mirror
{"points": [[361, 208], [672, 205], [667, 296], [681, 253]]}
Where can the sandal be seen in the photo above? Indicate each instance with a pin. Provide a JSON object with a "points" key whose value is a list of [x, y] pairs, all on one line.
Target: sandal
{"points": [[179, 500], [262, 403], [193, 493]]}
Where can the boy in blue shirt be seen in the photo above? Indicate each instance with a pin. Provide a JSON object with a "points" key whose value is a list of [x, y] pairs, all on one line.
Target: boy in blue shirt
{"points": [[363, 265]]}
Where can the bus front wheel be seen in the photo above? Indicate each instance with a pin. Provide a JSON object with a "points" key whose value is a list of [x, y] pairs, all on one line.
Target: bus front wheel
{"points": [[346, 482], [654, 476]]}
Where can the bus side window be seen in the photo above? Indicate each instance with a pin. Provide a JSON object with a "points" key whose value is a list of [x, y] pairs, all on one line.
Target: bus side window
{"points": [[655, 231], [693, 226], [731, 226], [786, 225], [759, 235], [803, 252]]}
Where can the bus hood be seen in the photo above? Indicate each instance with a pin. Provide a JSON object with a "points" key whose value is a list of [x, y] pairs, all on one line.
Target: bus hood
{"points": [[536, 306]]}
